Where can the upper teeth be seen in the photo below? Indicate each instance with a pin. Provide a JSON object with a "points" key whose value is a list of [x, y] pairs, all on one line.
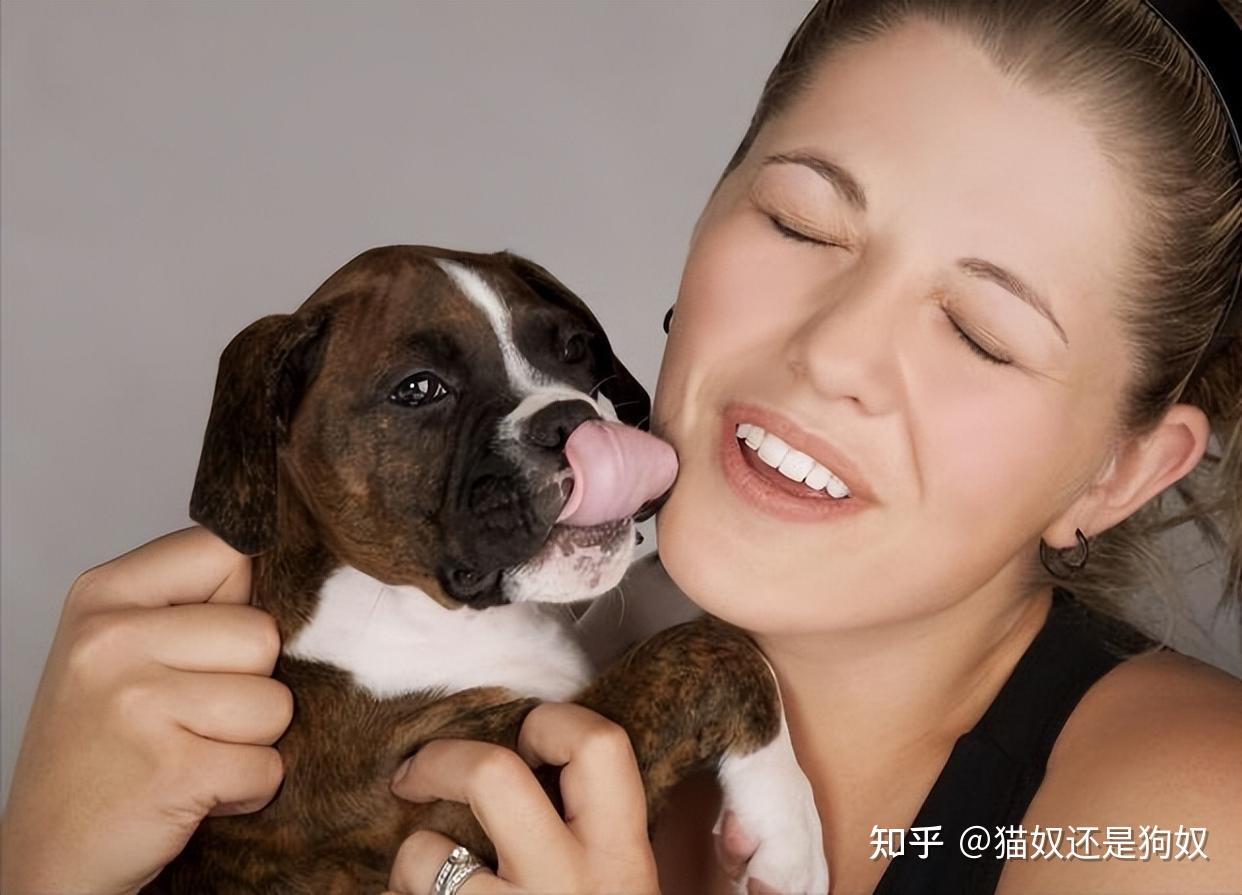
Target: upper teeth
{"points": [[792, 464]]}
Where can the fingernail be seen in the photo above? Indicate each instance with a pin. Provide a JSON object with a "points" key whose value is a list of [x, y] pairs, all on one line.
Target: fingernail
{"points": [[399, 774], [754, 887]]}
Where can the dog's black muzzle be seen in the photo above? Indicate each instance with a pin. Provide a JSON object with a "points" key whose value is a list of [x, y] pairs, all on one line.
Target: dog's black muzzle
{"points": [[509, 498]]}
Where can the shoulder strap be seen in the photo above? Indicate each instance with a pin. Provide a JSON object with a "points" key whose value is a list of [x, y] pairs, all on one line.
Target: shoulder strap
{"points": [[995, 768]]}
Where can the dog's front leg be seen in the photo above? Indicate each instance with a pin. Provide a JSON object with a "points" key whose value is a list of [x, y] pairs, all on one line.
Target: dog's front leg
{"points": [[700, 694], [485, 714]]}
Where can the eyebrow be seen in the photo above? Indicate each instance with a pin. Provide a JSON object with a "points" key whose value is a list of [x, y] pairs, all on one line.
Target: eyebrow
{"points": [[843, 181], [433, 345], [1010, 282], [851, 190]]}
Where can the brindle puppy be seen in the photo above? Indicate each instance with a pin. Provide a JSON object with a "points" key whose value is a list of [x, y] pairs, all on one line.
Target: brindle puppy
{"points": [[392, 455]]}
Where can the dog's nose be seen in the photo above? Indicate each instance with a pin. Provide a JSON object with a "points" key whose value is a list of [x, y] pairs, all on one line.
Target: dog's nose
{"points": [[550, 427]]}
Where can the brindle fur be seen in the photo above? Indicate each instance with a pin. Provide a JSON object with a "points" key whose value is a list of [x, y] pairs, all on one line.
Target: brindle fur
{"points": [[687, 697], [296, 496]]}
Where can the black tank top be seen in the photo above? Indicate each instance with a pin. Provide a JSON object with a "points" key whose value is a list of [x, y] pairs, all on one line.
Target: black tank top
{"points": [[995, 768]]}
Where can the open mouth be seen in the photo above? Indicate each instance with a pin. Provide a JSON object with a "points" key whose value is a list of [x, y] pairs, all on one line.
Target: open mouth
{"points": [[569, 538], [576, 562], [613, 476], [582, 542], [781, 481], [773, 493]]}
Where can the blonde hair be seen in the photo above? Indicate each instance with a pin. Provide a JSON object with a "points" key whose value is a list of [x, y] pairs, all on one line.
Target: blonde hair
{"points": [[1159, 121]]}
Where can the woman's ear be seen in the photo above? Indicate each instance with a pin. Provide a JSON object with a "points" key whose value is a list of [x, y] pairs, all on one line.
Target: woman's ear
{"points": [[1138, 471]]}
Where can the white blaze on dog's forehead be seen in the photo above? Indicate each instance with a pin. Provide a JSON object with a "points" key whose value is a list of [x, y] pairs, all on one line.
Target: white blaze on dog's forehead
{"points": [[534, 388], [522, 376], [396, 639]]}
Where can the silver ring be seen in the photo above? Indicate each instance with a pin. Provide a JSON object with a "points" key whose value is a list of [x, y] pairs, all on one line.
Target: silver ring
{"points": [[459, 866]]}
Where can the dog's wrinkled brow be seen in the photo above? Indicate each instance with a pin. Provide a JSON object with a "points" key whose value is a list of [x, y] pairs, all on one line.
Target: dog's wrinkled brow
{"points": [[434, 345]]}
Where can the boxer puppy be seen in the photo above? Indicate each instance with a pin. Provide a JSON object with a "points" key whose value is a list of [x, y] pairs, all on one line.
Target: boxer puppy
{"points": [[406, 456]]}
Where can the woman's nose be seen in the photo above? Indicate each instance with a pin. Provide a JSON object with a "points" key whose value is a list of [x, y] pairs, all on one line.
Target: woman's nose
{"points": [[846, 342]]}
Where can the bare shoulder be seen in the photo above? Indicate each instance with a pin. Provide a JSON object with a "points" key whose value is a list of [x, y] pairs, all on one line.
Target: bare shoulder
{"points": [[1154, 746]]}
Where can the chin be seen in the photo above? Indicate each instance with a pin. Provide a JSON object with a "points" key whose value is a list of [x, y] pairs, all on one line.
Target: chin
{"points": [[702, 560], [732, 568], [749, 569]]}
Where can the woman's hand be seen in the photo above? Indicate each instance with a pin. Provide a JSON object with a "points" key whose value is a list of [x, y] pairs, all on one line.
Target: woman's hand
{"points": [[600, 846], [156, 707]]}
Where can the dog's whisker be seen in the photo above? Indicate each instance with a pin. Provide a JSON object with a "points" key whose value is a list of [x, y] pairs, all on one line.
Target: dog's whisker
{"points": [[621, 595], [379, 595], [593, 389]]}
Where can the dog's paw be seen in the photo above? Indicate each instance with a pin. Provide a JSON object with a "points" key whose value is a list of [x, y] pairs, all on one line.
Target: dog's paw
{"points": [[772, 802]]}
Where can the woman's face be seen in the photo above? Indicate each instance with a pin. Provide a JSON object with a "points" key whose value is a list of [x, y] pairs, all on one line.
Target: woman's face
{"points": [[951, 186]]}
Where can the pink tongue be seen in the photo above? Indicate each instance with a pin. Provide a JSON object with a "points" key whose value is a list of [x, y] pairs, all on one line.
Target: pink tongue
{"points": [[616, 469]]}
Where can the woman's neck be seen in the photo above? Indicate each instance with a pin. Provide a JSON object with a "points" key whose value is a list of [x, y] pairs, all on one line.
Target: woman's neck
{"points": [[873, 713]]}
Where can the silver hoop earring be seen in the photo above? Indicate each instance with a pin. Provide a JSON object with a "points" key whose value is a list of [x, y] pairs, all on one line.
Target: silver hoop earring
{"points": [[1065, 568]]}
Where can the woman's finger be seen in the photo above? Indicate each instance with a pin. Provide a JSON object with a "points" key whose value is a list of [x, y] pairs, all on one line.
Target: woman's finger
{"points": [[230, 708], [230, 778], [605, 804], [419, 860], [187, 566], [191, 637], [504, 795]]}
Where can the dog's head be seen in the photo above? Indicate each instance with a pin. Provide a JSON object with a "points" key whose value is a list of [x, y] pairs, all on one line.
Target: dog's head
{"points": [[414, 412]]}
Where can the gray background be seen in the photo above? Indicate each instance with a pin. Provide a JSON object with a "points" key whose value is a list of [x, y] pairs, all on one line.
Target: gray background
{"points": [[171, 172]]}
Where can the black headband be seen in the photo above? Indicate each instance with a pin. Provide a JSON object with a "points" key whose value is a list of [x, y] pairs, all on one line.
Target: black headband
{"points": [[1215, 40]]}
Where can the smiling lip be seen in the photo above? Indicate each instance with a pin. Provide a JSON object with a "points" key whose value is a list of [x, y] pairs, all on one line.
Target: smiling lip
{"points": [[781, 497]]}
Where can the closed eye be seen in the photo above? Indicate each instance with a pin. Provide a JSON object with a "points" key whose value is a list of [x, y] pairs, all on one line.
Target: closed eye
{"points": [[976, 347], [796, 235]]}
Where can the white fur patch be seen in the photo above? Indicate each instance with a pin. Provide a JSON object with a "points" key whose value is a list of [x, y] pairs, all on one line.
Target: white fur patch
{"points": [[535, 389], [396, 639], [775, 806], [606, 408]]}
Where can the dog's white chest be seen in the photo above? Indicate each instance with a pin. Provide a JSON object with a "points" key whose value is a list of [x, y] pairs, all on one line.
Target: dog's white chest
{"points": [[397, 639]]}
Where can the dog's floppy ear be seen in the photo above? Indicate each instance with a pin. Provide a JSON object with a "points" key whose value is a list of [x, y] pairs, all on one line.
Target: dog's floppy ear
{"points": [[628, 397], [263, 374]]}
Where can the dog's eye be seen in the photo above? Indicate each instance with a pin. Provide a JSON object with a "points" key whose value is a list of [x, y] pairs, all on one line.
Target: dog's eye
{"points": [[575, 349], [419, 389]]}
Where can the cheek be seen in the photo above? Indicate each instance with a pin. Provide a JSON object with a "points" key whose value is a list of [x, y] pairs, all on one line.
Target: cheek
{"points": [[732, 281], [725, 304], [989, 454], [690, 348], [717, 294], [328, 461]]}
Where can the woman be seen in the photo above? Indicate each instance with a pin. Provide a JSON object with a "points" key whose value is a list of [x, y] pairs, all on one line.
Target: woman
{"points": [[971, 252]]}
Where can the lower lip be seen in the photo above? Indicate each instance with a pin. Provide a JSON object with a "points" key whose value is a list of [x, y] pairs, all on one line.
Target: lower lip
{"points": [[773, 493]]}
